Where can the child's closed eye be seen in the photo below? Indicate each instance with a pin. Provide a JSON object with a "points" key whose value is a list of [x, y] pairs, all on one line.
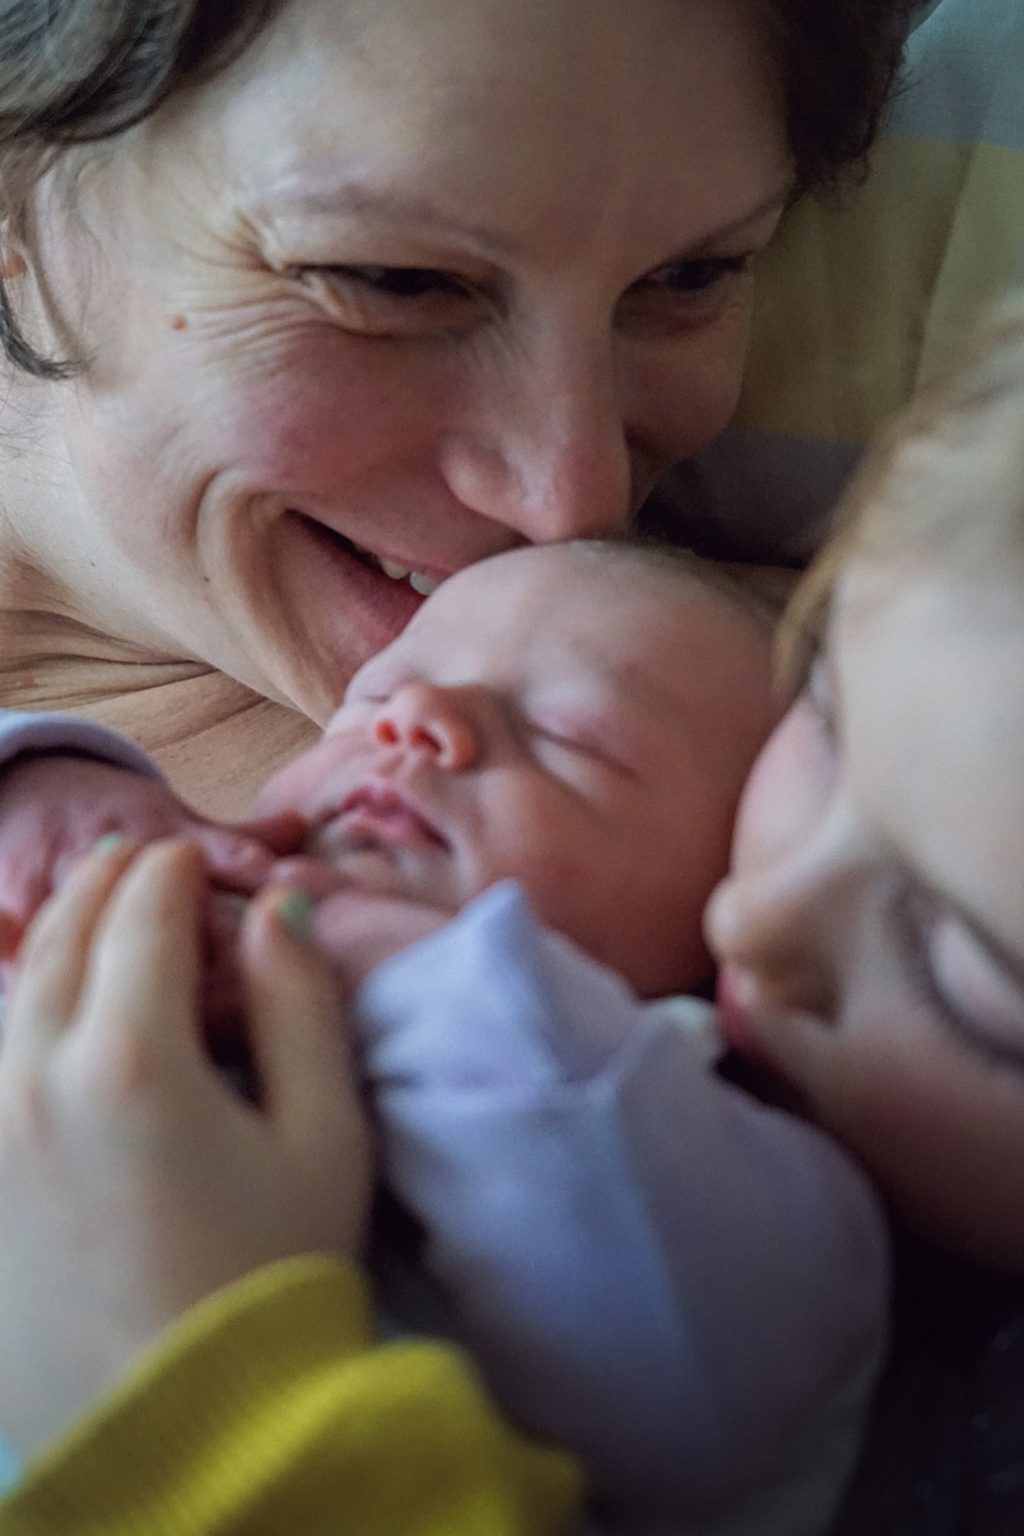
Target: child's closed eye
{"points": [[966, 985]]}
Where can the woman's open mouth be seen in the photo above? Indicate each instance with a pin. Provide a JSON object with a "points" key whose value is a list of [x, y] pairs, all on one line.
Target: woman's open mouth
{"points": [[420, 583], [361, 598]]}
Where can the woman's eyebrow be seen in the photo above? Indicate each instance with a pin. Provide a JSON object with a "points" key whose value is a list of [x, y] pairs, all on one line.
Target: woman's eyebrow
{"points": [[352, 196], [774, 202]]}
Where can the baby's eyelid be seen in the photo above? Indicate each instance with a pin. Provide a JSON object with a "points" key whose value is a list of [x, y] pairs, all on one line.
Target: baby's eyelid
{"points": [[585, 744], [368, 692]]}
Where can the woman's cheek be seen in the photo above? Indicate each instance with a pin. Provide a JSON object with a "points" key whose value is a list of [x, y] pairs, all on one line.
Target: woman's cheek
{"points": [[690, 386], [317, 418]]}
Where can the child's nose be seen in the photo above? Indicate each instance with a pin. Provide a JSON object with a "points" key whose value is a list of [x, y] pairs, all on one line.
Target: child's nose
{"points": [[778, 928], [422, 717]]}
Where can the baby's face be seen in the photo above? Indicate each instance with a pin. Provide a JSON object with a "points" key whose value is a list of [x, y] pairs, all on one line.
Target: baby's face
{"points": [[580, 721], [872, 932]]}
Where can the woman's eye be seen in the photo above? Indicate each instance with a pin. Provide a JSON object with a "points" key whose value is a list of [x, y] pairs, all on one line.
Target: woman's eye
{"points": [[393, 300], [402, 282], [683, 277], [968, 986], [694, 289]]}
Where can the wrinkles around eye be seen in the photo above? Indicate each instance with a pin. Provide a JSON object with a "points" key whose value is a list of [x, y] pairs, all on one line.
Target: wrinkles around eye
{"points": [[388, 300]]}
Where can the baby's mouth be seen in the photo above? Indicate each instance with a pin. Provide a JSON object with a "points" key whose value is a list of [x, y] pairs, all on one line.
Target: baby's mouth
{"points": [[378, 816]]}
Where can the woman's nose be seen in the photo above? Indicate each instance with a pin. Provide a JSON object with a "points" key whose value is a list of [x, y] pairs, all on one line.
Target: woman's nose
{"points": [[423, 718], [549, 455]]}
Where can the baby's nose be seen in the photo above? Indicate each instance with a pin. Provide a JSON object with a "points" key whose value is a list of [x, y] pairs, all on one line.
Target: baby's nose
{"points": [[422, 717]]}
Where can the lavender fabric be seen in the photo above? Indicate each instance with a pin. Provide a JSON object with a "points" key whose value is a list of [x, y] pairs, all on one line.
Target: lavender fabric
{"points": [[686, 1286]]}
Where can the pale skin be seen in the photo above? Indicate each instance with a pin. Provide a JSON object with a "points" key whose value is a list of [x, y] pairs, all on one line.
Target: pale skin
{"points": [[552, 716], [869, 934], [556, 715], [487, 286], [872, 930], [121, 1153]]}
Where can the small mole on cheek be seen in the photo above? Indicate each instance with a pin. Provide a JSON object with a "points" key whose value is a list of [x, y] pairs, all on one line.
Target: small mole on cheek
{"points": [[178, 323]]}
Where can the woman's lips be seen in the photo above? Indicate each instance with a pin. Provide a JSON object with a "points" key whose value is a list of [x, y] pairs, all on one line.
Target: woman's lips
{"points": [[359, 602]]}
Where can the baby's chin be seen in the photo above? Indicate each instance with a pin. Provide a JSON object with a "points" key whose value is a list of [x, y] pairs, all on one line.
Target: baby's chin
{"points": [[359, 927]]}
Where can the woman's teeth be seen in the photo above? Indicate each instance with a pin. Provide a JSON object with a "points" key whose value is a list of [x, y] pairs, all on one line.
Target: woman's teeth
{"points": [[424, 585]]}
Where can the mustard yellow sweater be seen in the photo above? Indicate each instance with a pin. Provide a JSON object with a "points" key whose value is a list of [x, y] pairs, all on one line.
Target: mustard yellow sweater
{"points": [[270, 1409]]}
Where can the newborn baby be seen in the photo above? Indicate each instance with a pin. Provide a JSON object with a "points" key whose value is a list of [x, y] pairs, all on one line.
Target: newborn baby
{"points": [[580, 718]]}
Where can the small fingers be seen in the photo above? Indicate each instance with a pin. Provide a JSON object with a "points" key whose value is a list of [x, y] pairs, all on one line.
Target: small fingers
{"points": [[55, 955], [297, 1024], [240, 858], [141, 995]]}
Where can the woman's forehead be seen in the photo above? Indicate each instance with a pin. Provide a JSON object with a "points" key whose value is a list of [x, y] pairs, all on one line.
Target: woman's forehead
{"points": [[571, 115]]}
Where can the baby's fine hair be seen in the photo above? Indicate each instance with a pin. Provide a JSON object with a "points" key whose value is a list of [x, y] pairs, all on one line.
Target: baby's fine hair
{"points": [[760, 591]]}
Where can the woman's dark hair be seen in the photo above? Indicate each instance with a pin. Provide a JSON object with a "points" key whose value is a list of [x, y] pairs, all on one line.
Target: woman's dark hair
{"points": [[837, 62], [77, 71]]}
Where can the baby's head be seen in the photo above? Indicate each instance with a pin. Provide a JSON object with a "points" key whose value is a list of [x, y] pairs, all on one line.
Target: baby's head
{"points": [[579, 717], [872, 931]]}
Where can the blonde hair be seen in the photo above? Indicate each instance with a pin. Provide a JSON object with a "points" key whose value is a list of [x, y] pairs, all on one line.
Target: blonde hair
{"points": [[948, 472]]}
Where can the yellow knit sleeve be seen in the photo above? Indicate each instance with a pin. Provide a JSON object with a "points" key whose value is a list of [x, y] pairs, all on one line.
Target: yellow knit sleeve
{"points": [[270, 1409]]}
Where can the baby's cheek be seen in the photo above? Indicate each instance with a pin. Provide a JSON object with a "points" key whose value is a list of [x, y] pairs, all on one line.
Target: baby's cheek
{"points": [[306, 783], [286, 791]]}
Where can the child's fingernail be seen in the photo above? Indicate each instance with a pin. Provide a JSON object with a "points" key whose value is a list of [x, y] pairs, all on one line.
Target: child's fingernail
{"points": [[109, 842], [296, 913]]}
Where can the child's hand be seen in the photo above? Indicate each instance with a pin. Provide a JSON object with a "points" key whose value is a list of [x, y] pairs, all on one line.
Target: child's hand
{"points": [[135, 1181], [54, 808]]}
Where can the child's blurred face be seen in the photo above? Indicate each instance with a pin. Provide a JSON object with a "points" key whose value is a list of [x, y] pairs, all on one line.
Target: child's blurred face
{"points": [[872, 931], [580, 721]]}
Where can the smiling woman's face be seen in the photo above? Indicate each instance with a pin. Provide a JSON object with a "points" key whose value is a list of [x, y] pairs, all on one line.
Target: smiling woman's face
{"points": [[429, 278], [872, 932]]}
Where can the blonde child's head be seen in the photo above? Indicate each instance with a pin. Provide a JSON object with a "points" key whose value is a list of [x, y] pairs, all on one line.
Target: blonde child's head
{"points": [[945, 481], [872, 930]]}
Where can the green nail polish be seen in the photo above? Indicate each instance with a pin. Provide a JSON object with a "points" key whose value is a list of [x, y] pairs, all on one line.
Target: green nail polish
{"points": [[110, 842], [296, 913]]}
